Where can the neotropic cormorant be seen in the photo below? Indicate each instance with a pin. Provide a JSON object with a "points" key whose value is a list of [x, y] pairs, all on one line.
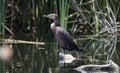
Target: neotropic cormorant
{"points": [[64, 39]]}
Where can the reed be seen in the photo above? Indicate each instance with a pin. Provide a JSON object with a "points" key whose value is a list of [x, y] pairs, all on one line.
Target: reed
{"points": [[101, 17], [2, 29]]}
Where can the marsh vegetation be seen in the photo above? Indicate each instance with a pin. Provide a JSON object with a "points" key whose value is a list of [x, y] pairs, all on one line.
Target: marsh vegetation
{"points": [[94, 24]]}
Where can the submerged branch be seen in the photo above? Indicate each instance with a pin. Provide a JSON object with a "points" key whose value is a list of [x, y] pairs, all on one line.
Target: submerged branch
{"points": [[110, 67], [20, 41]]}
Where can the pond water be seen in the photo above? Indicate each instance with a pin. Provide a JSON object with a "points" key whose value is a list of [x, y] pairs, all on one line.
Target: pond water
{"points": [[45, 59]]}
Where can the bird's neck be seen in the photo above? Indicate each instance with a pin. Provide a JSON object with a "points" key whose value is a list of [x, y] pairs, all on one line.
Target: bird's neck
{"points": [[54, 27], [57, 22]]}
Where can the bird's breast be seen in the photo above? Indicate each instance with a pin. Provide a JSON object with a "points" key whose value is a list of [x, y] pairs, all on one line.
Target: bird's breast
{"points": [[53, 28]]}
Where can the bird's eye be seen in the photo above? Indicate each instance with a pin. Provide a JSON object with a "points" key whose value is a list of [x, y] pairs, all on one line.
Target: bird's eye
{"points": [[52, 16]]}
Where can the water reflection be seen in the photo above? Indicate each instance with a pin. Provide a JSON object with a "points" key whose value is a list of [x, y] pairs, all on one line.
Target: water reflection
{"points": [[76, 65], [46, 61]]}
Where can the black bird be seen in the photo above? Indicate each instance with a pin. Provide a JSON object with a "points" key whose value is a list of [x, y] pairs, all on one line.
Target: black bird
{"points": [[64, 39]]}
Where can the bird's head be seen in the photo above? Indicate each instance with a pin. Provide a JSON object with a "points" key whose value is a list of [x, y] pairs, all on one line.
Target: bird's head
{"points": [[51, 16], [54, 17]]}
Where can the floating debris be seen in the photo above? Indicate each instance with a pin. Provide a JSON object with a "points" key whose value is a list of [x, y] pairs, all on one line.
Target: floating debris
{"points": [[66, 58], [111, 67]]}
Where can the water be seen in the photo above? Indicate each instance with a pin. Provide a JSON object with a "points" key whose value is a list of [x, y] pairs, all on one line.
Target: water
{"points": [[44, 59]]}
